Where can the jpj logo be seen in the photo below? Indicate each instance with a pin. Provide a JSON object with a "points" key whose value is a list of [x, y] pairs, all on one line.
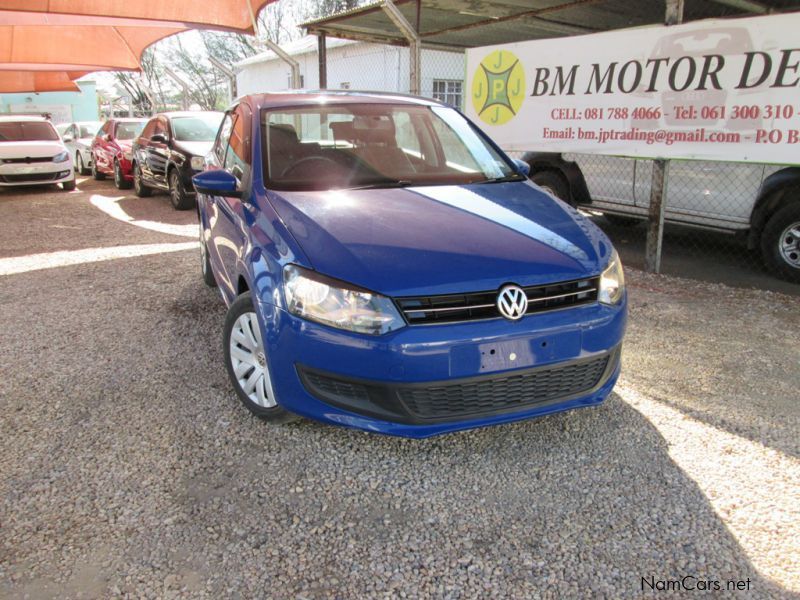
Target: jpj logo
{"points": [[498, 87]]}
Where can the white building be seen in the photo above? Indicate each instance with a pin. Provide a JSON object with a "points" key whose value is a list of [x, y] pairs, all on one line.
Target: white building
{"points": [[357, 66]]}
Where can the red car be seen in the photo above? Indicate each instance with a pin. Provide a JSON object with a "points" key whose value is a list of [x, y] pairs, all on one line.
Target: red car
{"points": [[111, 150]]}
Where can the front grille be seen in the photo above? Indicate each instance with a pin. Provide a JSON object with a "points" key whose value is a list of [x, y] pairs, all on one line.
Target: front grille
{"points": [[494, 395], [461, 399], [482, 305], [32, 177], [28, 160]]}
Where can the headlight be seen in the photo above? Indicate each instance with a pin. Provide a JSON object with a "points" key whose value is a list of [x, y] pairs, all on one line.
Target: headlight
{"points": [[61, 157], [335, 303], [612, 282], [198, 163]]}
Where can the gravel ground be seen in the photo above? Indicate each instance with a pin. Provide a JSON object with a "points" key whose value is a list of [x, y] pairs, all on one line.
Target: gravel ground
{"points": [[128, 468]]}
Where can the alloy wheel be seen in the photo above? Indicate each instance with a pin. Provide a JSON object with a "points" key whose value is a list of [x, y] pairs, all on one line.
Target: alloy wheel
{"points": [[117, 175], [174, 188], [789, 245], [78, 163], [249, 361]]}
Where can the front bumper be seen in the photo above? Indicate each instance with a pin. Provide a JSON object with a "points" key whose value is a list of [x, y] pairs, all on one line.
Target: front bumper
{"points": [[426, 380], [35, 174]]}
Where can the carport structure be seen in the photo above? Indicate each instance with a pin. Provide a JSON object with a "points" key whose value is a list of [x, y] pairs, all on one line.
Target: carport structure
{"points": [[457, 25]]}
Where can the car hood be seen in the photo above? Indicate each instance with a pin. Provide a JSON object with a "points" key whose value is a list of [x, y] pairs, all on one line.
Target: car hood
{"points": [[36, 149], [443, 239], [194, 148]]}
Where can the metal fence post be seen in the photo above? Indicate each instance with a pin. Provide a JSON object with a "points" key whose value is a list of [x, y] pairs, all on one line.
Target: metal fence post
{"points": [[402, 24], [659, 180], [322, 57]]}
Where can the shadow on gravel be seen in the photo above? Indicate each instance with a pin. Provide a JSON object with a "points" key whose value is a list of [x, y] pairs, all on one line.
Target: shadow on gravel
{"points": [[143, 450], [588, 501]]}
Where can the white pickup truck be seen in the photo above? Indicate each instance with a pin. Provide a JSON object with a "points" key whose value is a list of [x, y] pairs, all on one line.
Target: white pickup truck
{"points": [[756, 200]]}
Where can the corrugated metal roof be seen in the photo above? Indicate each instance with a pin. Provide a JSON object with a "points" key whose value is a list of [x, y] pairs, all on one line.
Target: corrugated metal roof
{"points": [[473, 23]]}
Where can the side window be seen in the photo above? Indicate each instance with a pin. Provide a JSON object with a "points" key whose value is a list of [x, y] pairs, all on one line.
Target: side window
{"points": [[161, 127], [237, 158], [149, 129], [222, 138]]}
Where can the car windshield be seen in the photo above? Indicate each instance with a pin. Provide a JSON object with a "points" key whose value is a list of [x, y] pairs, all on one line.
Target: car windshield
{"points": [[375, 145], [197, 128], [27, 131], [88, 130], [129, 130]]}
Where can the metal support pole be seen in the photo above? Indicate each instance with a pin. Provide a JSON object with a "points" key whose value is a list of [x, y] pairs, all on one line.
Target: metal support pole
{"points": [[322, 53], [186, 94], [289, 60], [659, 180], [228, 72], [408, 31]]}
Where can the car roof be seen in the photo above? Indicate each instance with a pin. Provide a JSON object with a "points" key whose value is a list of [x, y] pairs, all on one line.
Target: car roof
{"points": [[18, 118], [312, 97], [186, 113]]}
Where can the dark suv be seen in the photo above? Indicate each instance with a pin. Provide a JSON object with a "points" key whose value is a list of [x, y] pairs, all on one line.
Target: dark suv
{"points": [[170, 150]]}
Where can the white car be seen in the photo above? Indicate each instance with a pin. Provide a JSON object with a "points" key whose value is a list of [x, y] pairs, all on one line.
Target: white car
{"points": [[78, 139], [32, 153]]}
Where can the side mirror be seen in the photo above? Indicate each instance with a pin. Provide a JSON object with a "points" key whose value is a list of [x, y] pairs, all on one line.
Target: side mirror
{"points": [[107, 138], [216, 182], [523, 168], [67, 139], [159, 138]]}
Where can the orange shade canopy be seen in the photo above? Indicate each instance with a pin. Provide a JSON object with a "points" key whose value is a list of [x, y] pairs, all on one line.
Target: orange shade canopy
{"points": [[39, 81], [37, 42], [226, 15]]}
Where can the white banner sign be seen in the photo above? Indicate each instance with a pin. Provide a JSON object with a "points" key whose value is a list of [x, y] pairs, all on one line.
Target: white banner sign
{"points": [[716, 90], [59, 113]]}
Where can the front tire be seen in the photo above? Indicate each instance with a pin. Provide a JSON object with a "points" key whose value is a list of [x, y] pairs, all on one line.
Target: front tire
{"points": [[119, 178], [177, 194], [80, 168], [247, 364], [97, 175], [139, 188], [552, 183], [780, 242], [68, 186]]}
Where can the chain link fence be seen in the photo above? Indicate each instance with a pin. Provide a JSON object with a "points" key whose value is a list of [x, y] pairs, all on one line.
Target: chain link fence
{"points": [[720, 225]]}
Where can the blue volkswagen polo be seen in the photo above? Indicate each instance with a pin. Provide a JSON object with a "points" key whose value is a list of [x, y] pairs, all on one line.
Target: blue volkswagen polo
{"points": [[387, 267]]}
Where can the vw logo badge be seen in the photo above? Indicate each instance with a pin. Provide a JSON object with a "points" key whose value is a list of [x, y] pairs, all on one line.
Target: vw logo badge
{"points": [[512, 302]]}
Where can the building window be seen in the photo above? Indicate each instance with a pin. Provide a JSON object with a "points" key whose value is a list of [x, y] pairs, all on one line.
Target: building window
{"points": [[447, 91], [289, 80]]}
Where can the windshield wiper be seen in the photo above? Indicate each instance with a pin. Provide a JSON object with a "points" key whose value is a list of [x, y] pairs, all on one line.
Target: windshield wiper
{"points": [[504, 178], [382, 183]]}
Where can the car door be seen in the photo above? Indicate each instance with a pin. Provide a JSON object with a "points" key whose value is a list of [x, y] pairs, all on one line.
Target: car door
{"points": [[141, 149], [610, 179], [102, 147], [233, 213], [70, 140], [158, 153]]}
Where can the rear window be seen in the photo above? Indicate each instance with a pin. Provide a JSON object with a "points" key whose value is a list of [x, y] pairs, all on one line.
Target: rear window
{"points": [[129, 130], [27, 131], [200, 128], [89, 129]]}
